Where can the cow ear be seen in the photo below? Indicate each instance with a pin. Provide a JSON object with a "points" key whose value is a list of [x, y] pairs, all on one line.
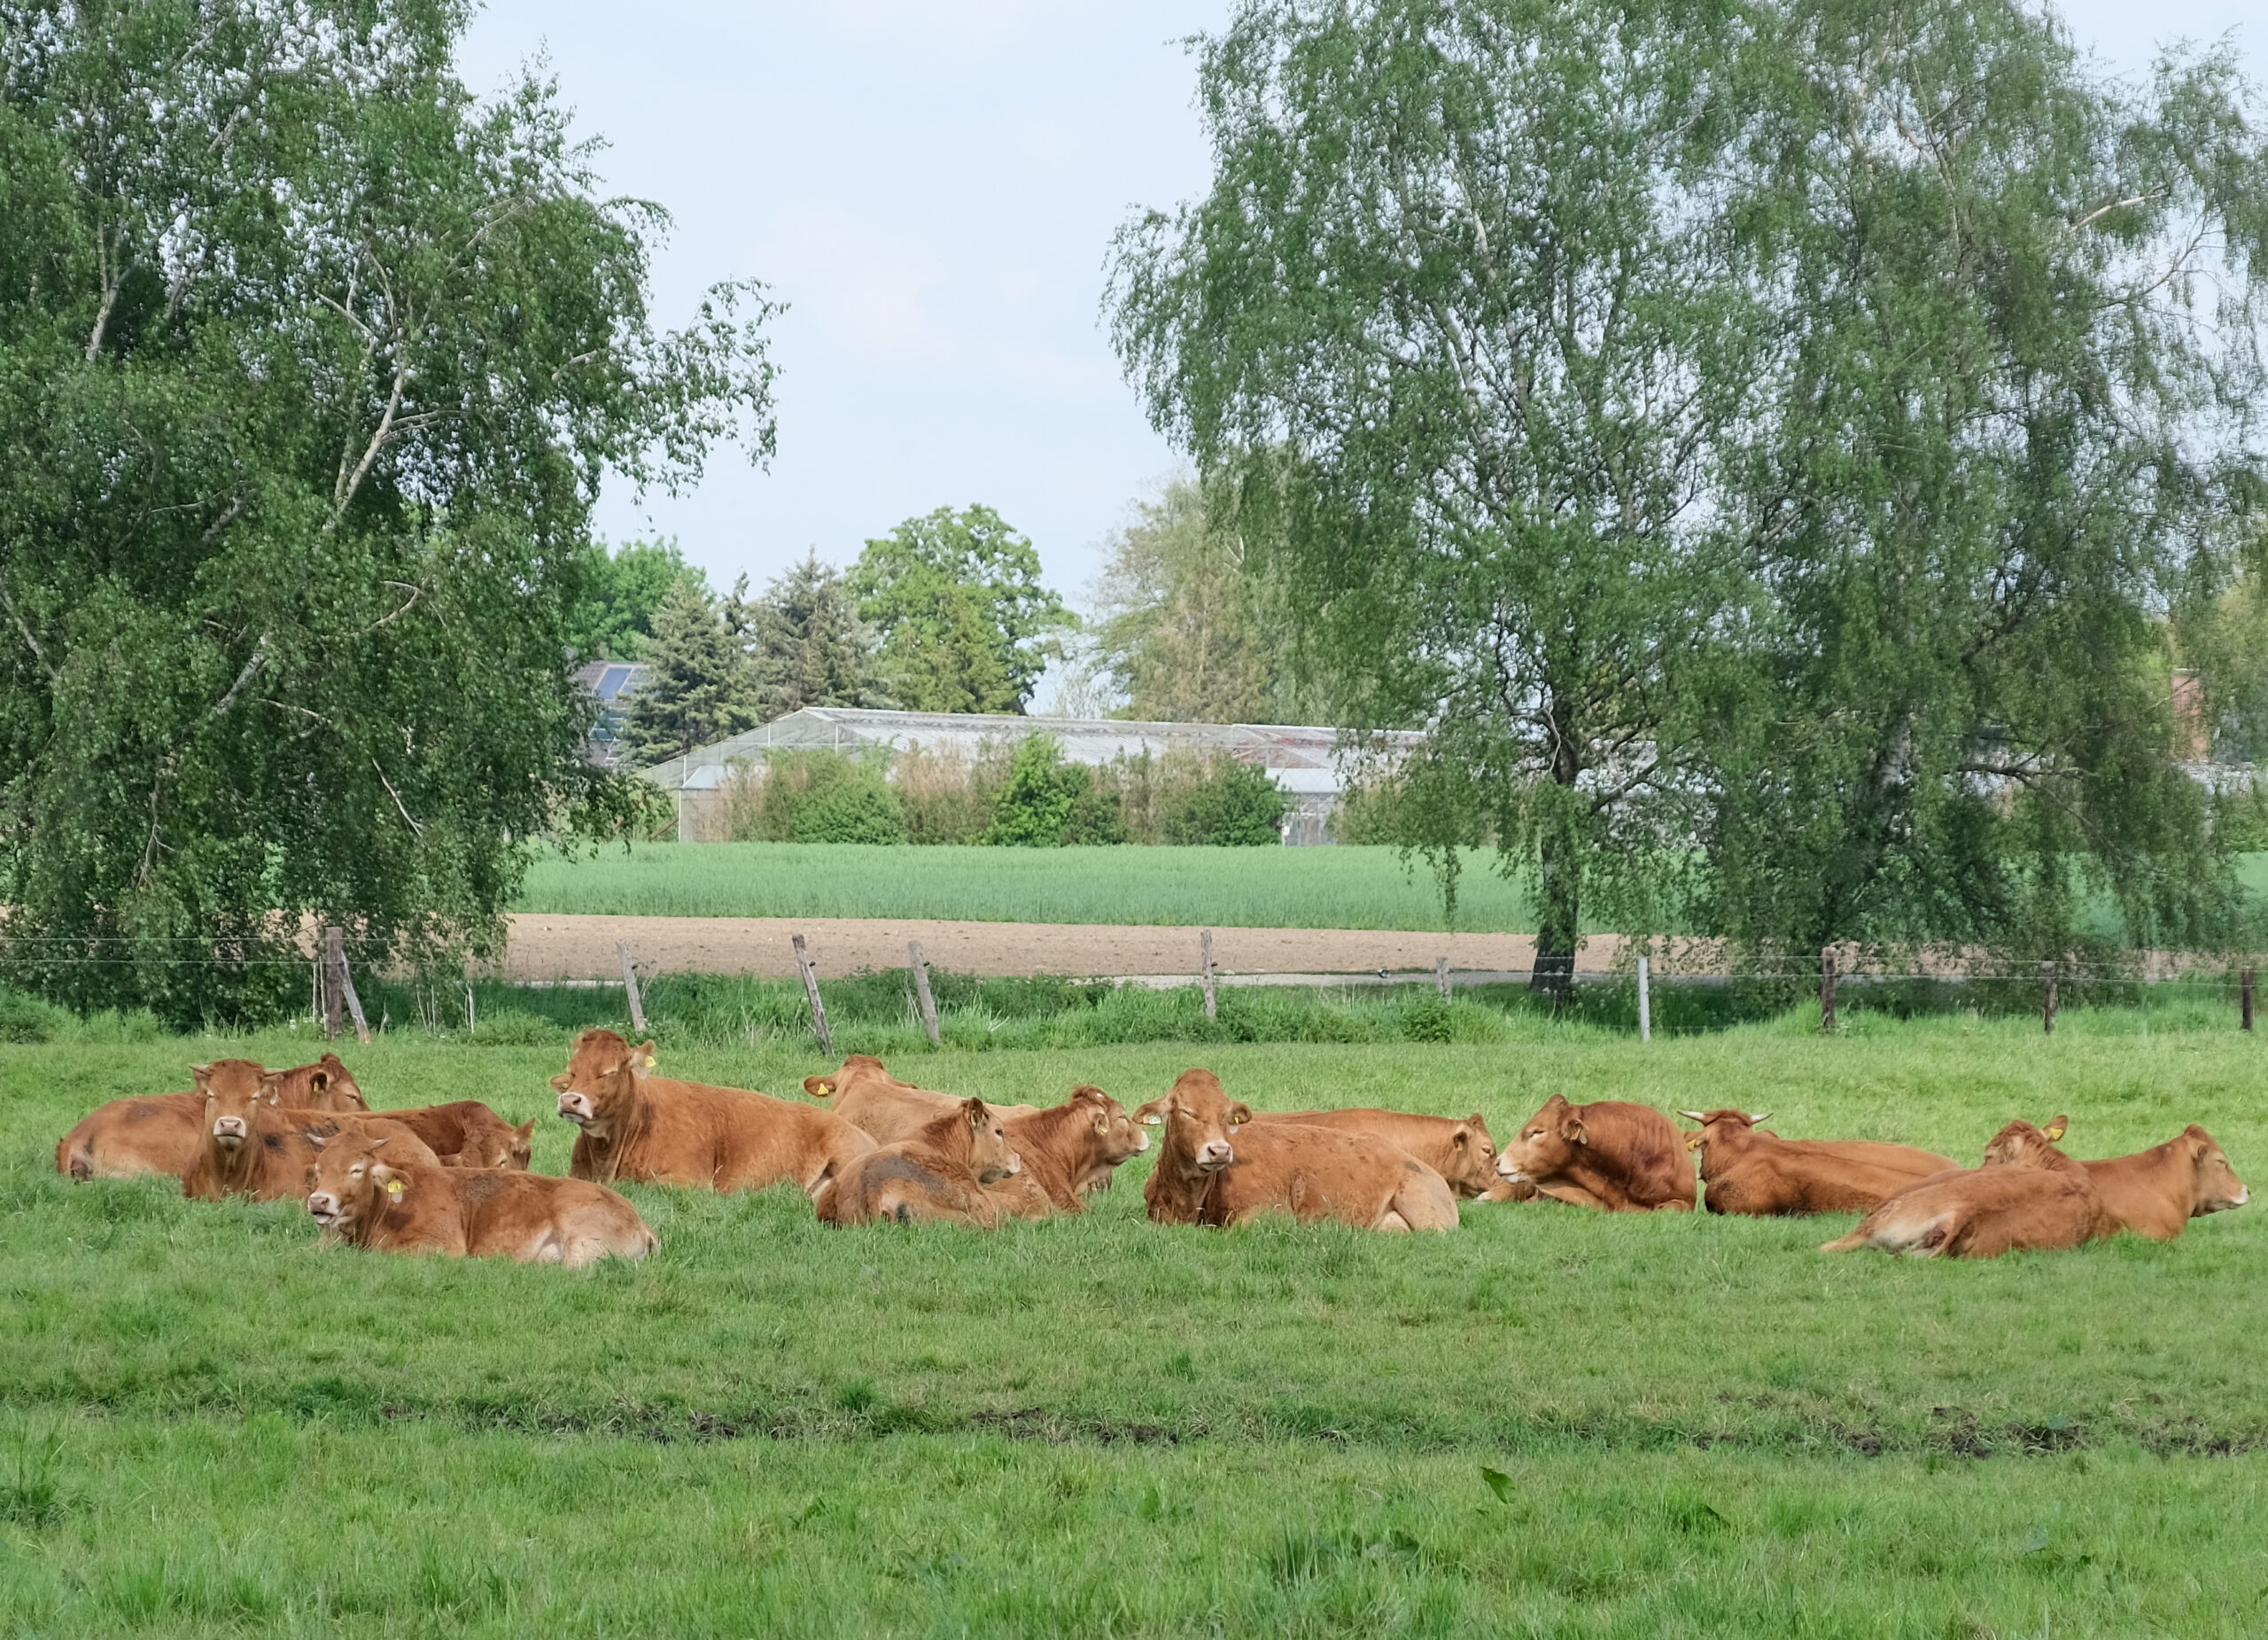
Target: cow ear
{"points": [[1476, 1121], [1239, 1114], [1151, 1114], [199, 1073], [271, 1085], [974, 1113], [643, 1060], [2055, 1130], [1462, 1138], [560, 1083], [318, 1080], [1572, 1131], [818, 1087], [1693, 1141]]}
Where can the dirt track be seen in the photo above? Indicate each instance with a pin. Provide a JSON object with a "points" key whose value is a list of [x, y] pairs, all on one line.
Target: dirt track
{"points": [[548, 946]]}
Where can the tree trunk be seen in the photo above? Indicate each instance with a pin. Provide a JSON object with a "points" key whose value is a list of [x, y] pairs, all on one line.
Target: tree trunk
{"points": [[1559, 876]]}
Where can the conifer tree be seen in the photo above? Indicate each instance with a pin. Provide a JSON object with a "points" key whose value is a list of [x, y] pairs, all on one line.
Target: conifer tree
{"points": [[698, 688]]}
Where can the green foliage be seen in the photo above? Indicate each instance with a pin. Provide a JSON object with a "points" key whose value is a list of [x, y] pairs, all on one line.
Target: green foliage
{"points": [[613, 619], [1190, 631], [965, 623], [697, 689], [806, 641], [310, 367], [25, 1018], [1777, 428], [819, 797], [1049, 803], [1230, 804]]}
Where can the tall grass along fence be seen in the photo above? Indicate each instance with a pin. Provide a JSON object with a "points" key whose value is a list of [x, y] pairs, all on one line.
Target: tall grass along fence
{"points": [[917, 1008]]}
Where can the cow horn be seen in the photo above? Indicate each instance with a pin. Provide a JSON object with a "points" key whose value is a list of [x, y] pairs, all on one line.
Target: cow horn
{"points": [[1761, 1116], [1695, 1116]]}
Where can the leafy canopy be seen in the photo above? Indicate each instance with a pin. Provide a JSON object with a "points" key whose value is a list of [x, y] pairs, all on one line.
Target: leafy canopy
{"points": [[310, 366], [965, 623]]}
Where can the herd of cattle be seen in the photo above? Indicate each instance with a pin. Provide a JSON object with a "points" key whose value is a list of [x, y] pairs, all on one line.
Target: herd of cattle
{"points": [[454, 1179]]}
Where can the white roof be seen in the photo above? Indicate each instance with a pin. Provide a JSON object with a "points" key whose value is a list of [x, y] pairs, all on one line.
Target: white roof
{"points": [[1303, 759]]}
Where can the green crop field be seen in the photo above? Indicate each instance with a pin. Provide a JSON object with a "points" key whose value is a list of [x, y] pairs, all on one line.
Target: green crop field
{"points": [[1550, 1423], [1336, 888]]}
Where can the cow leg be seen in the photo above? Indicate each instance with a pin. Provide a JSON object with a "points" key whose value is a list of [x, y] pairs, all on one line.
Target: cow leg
{"points": [[1395, 1222]]}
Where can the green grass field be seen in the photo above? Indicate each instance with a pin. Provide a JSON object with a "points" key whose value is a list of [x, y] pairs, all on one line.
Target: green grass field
{"points": [[1551, 1422], [1338, 887]]}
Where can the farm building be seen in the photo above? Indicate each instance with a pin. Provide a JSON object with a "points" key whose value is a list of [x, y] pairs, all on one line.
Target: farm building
{"points": [[612, 681], [1303, 761]]}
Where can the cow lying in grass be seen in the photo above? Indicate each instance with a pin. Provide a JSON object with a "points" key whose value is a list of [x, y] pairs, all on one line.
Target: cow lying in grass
{"points": [[865, 1095], [1748, 1171], [466, 1134], [1611, 1155], [2156, 1192], [1461, 1151], [1216, 1167], [936, 1175], [165, 1133], [1066, 1153], [646, 1128], [365, 1193], [2031, 1195], [251, 1148]]}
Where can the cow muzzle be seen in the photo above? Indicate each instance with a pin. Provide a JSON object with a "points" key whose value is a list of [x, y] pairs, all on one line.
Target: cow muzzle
{"points": [[229, 1131], [322, 1206], [1506, 1168], [1215, 1154], [576, 1108]]}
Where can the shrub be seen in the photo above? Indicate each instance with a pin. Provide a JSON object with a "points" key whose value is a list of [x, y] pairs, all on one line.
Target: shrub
{"points": [[509, 1028], [1228, 804], [25, 1018], [1048, 803], [863, 812], [813, 796], [948, 797]]}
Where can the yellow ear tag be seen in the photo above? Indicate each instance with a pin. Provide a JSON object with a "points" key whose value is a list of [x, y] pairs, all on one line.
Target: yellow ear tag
{"points": [[393, 1186], [650, 1061]]}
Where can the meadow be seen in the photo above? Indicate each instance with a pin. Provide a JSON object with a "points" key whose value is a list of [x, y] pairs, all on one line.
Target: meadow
{"points": [[1549, 1423], [1315, 888]]}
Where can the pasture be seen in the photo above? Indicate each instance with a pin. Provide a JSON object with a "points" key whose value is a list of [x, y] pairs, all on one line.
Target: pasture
{"points": [[1550, 1423], [1333, 888]]}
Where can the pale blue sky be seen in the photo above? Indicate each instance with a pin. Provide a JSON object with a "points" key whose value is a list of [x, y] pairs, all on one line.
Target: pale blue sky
{"points": [[932, 185]]}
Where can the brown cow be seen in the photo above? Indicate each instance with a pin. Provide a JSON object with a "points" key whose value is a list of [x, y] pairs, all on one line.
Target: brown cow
{"points": [[1461, 1152], [1062, 1149], [2156, 1192], [2033, 1196], [938, 1176], [363, 1195], [1749, 1171], [1216, 1167], [868, 1096], [468, 1134], [650, 1130], [1611, 1155], [165, 1133], [253, 1149]]}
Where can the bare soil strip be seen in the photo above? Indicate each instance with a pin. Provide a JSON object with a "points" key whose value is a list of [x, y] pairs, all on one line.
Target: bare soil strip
{"points": [[558, 946]]}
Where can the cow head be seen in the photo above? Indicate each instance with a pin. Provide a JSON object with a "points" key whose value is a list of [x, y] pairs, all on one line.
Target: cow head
{"points": [[327, 1084], [1546, 1143], [1727, 1127], [854, 1064], [1200, 1121], [2216, 1188], [233, 1089], [1118, 1135], [2021, 1145], [513, 1149], [989, 1154], [1471, 1170], [349, 1185], [601, 1079]]}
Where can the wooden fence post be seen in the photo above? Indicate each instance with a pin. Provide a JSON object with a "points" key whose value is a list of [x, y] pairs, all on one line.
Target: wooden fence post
{"points": [[1205, 973], [1645, 1003], [346, 987], [1442, 976], [334, 994], [2047, 998], [921, 991], [1827, 990], [2244, 999], [630, 985], [471, 1013], [811, 989]]}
